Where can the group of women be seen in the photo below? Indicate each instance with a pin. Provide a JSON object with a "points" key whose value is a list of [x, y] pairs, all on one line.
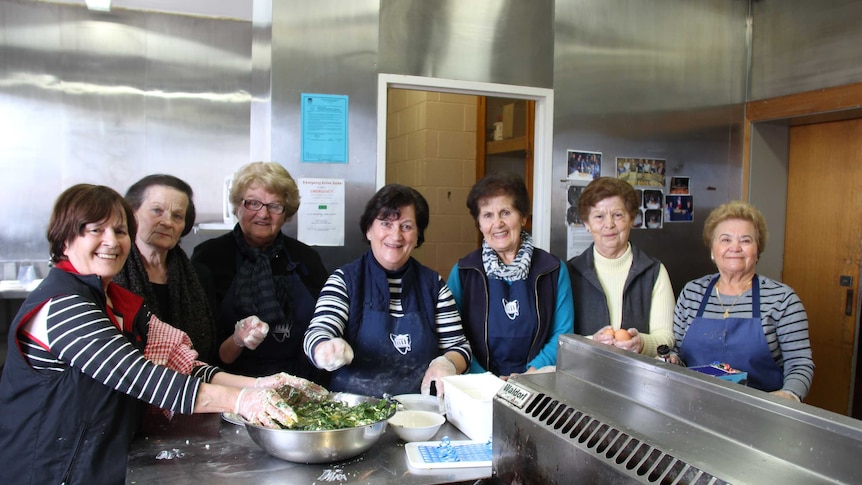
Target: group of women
{"points": [[125, 317]]}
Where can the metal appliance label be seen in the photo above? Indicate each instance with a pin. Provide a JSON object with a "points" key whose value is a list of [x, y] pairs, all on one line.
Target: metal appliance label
{"points": [[518, 396]]}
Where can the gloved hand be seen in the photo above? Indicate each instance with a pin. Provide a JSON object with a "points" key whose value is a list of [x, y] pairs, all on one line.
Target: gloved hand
{"points": [[308, 389], [333, 354], [438, 368], [264, 407], [605, 335], [634, 344], [249, 332]]}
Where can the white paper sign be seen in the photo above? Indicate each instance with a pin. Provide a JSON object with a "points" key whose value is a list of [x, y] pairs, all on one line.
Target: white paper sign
{"points": [[320, 219]]}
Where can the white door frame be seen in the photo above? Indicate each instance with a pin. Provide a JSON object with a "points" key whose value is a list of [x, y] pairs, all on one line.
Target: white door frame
{"points": [[543, 144]]}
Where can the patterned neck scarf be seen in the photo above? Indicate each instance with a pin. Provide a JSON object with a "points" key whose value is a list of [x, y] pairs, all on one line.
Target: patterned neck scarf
{"points": [[258, 291], [520, 267]]}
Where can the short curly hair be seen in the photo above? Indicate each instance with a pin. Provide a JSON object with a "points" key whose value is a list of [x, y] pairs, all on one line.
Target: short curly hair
{"points": [[497, 184], [736, 209], [603, 188], [387, 203], [272, 177]]}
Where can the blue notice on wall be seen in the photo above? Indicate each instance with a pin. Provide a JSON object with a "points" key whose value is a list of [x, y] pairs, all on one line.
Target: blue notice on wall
{"points": [[324, 128]]}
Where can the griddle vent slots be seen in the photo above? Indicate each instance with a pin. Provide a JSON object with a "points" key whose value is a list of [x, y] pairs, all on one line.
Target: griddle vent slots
{"points": [[615, 447]]}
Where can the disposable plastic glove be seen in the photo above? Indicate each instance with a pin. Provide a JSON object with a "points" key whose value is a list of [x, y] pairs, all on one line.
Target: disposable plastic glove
{"points": [[308, 389], [635, 344], [603, 337], [264, 407], [439, 368], [249, 332], [333, 354]]}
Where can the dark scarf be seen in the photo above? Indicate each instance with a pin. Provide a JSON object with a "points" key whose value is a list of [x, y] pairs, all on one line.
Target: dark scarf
{"points": [[258, 291], [189, 304]]}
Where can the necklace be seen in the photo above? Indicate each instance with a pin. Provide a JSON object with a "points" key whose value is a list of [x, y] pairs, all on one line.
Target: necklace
{"points": [[728, 309]]}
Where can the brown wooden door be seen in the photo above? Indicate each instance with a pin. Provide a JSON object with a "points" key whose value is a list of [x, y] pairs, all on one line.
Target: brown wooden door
{"points": [[822, 243]]}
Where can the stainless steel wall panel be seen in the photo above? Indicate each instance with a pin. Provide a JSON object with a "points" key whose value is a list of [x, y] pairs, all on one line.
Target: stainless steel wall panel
{"points": [[500, 41], [653, 80], [328, 47], [800, 45], [110, 97]]}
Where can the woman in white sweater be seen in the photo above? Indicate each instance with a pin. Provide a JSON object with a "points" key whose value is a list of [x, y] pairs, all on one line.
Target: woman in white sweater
{"points": [[614, 284]]}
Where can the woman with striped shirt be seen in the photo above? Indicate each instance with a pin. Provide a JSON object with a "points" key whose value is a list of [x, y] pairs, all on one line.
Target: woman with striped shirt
{"points": [[385, 323], [751, 322], [85, 355]]}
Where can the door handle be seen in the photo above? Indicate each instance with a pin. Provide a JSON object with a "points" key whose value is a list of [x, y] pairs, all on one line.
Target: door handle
{"points": [[848, 305]]}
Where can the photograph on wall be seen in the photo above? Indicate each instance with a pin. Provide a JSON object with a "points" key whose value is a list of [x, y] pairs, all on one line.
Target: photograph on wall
{"points": [[653, 218], [573, 195], [679, 186], [577, 237], [641, 172], [584, 166], [639, 220], [652, 199], [679, 208]]}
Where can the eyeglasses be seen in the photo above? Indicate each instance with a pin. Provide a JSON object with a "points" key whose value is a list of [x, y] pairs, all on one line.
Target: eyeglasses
{"points": [[256, 205]]}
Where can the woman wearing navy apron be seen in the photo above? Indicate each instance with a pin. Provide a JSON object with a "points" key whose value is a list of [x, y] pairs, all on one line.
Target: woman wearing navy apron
{"points": [[385, 323], [751, 322], [515, 299]]}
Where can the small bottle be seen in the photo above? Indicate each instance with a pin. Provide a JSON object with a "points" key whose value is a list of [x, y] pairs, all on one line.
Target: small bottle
{"points": [[663, 352]]}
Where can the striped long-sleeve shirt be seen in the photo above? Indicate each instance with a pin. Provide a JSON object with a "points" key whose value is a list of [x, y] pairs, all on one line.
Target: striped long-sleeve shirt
{"points": [[784, 321], [333, 311], [71, 331]]}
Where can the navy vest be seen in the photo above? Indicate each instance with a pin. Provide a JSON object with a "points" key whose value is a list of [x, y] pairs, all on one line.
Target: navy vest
{"points": [[65, 427], [542, 282]]}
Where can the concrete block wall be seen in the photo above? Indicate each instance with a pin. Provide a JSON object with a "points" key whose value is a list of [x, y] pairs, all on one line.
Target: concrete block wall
{"points": [[431, 146]]}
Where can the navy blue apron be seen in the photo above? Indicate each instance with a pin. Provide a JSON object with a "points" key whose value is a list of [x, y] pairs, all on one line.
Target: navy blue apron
{"points": [[512, 326], [281, 350], [738, 342], [391, 354]]}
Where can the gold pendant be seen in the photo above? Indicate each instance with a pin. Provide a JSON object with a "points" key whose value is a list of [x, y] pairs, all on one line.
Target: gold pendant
{"points": [[726, 313]]}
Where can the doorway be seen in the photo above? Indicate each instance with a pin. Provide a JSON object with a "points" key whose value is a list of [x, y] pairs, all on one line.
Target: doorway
{"points": [[543, 134], [811, 141]]}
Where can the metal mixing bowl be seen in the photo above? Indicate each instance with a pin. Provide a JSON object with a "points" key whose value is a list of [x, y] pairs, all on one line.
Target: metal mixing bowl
{"points": [[320, 446]]}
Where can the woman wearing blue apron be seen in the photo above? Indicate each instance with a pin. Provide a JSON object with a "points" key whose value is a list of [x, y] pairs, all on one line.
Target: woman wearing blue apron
{"points": [[386, 324], [515, 299], [748, 321]]}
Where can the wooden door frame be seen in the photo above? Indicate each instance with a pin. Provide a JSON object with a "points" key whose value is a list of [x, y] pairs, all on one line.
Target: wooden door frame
{"points": [[828, 104], [542, 184]]}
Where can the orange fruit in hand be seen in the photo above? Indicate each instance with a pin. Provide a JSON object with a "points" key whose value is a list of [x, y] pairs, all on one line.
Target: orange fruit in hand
{"points": [[622, 335], [608, 331]]}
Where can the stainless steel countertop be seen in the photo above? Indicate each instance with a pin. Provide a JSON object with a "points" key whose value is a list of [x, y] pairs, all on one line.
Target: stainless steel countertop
{"points": [[206, 450]]}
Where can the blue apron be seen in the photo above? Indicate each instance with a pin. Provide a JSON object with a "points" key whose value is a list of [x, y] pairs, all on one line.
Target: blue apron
{"points": [[738, 342], [391, 354], [281, 350], [512, 326]]}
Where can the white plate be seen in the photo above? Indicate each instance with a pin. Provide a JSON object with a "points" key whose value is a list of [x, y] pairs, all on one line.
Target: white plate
{"points": [[233, 418]]}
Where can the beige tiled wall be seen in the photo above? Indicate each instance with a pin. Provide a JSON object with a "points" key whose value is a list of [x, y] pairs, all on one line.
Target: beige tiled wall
{"points": [[431, 146]]}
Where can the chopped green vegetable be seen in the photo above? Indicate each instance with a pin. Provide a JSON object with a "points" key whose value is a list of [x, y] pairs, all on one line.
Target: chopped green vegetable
{"points": [[328, 415]]}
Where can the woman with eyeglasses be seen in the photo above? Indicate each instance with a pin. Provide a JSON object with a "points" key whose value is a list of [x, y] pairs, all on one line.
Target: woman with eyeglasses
{"points": [[266, 283]]}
